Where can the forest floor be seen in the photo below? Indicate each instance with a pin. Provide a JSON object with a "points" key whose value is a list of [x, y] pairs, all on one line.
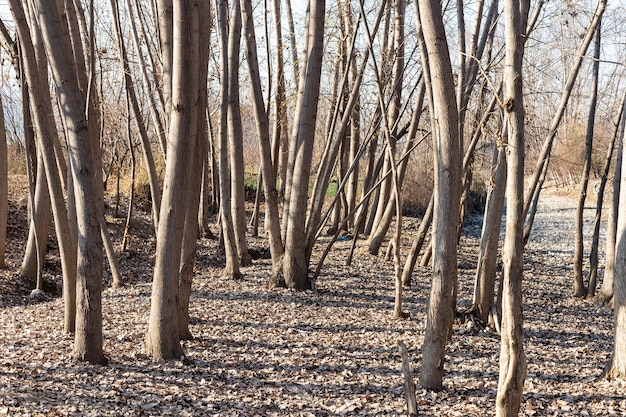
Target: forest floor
{"points": [[332, 351]]}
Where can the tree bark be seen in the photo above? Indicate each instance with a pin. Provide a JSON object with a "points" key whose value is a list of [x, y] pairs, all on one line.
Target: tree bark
{"points": [[579, 284], [162, 339], [296, 259], [231, 270], [67, 70], [235, 138], [616, 367], [486, 271], [4, 188], [41, 106], [262, 124], [512, 357], [447, 193]]}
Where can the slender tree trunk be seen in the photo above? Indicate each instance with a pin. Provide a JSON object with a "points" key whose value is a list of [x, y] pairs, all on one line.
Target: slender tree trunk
{"points": [[225, 183], [579, 285], [41, 107], [447, 193], [595, 240], [605, 294], [534, 189], [235, 138], [486, 271], [616, 367], [267, 166], [4, 191], [153, 179], [512, 357]]}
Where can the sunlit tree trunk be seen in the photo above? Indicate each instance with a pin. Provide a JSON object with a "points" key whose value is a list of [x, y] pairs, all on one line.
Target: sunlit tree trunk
{"points": [[447, 193], [296, 260], [162, 339], [153, 180], [67, 70], [486, 271], [534, 189], [616, 367], [232, 268], [605, 294], [41, 106], [262, 123], [512, 357], [235, 138]]}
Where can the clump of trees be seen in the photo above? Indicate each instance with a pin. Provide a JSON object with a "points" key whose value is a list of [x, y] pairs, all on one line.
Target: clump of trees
{"points": [[372, 88]]}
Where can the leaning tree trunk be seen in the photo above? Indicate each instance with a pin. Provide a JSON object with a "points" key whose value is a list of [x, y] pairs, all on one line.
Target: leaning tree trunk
{"points": [[512, 357], [262, 124], [447, 194], [34, 66], [534, 189], [579, 285]]}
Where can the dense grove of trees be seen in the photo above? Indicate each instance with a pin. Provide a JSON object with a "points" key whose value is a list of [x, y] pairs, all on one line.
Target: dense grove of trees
{"points": [[332, 113]]}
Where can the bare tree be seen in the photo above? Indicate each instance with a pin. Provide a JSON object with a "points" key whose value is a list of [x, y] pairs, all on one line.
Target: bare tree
{"points": [[512, 357], [67, 71], [447, 193], [616, 367], [605, 294], [297, 254], [35, 66], [162, 339], [579, 285], [534, 189]]}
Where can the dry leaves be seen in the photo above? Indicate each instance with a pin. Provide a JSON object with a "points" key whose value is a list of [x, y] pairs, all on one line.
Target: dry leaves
{"points": [[330, 352]]}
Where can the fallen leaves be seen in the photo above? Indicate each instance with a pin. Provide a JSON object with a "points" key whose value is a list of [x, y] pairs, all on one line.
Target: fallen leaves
{"points": [[330, 352]]}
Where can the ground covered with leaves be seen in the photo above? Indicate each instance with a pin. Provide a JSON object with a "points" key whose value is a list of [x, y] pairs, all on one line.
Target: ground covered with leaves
{"points": [[332, 351]]}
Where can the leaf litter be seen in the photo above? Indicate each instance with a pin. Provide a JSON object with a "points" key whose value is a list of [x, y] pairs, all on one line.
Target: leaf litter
{"points": [[332, 351]]}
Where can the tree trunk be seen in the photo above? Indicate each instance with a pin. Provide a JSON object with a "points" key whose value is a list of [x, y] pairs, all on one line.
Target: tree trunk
{"points": [[66, 71], [579, 285], [616, 367], [190, 234], [296, 260], [235, 139], [153, 179], [41, 106], [606, 291], [534, 188], [512, 357], [262, 124], [486, 271], [231, 269], [447, 193], [162, 339]]}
